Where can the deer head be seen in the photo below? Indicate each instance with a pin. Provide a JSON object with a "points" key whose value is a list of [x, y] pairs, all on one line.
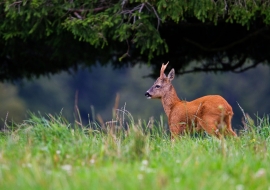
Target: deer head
{"points": [[162, 84]]}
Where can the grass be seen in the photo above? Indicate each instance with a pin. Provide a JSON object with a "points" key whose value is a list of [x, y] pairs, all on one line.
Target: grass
{"points": [[50, 153]]}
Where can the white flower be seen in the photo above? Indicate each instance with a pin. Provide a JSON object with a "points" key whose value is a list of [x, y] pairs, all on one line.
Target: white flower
{"points": [[92, 161], [67, 167], [27, 165], [261, 172], [240, 187], [145, 162]]}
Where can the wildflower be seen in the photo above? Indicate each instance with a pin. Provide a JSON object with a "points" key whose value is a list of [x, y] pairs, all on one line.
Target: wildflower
{"points": [[67, 168], [144, 165], [260, 173], [92, 161], [145, 162], [240, 187], [27, 165]]}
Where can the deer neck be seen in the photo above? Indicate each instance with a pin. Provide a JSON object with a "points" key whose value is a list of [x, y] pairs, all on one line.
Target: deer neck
{"points": [[169, 100]]}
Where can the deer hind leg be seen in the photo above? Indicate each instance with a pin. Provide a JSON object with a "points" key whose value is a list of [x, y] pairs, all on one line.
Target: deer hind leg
{"points": [[218, 126], [227, 121], [209, 125]]}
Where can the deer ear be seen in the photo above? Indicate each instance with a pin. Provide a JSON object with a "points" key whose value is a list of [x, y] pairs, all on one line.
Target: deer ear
{"points": [[171, 75]]}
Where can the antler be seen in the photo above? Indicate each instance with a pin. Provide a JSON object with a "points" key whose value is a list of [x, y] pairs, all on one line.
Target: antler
{"points": [[163, 67]]}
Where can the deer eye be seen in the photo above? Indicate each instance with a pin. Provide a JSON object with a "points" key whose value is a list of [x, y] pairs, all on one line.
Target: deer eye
{"points": [[157, 86]]}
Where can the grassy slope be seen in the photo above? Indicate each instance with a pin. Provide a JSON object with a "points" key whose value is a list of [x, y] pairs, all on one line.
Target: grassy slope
{"points": [[46, 153]]}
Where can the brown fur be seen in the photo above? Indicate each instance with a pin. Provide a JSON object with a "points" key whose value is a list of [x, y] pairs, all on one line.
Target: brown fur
{"points": [[211, 113]]}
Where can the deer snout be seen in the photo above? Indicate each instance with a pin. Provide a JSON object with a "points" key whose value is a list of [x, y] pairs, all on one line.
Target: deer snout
{"points": [[148, 95]]}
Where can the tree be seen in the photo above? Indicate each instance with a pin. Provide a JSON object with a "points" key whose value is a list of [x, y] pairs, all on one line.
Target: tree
{"points": [[41, 37]]}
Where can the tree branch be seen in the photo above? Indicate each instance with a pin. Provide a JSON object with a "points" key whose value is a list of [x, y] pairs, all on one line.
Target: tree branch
{"points": [[236, 68], [247, 68], [15, 3], [87, 10], [227, 46], [155, 14]]}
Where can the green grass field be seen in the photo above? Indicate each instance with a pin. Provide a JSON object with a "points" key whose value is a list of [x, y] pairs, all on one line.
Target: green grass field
{"points": [[49, 153]]}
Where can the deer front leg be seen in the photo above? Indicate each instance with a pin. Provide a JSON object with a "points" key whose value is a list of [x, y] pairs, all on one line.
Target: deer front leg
{"points": [[176, 130]]}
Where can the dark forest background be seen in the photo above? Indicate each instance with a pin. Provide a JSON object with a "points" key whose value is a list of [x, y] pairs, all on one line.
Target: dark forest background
{"points": [[94, 92]]}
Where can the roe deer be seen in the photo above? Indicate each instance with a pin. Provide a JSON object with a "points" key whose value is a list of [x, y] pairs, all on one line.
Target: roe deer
{"points": [[211, 113]]}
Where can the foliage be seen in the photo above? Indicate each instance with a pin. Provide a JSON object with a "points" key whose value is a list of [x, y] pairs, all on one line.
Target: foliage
{"points": [[41, 37], [49, 153]]}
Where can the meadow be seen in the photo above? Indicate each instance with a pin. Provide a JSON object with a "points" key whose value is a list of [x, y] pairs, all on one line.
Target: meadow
{"points": [[47, 152]]}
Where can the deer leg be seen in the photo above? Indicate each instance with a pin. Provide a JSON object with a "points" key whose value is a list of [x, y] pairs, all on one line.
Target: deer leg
{"points": [[176, 130], [227, 120], [210, 127], [198, 129]]}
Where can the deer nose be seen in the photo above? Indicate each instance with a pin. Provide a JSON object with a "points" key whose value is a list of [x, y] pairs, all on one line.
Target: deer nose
{"points": [[147, 95]]}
